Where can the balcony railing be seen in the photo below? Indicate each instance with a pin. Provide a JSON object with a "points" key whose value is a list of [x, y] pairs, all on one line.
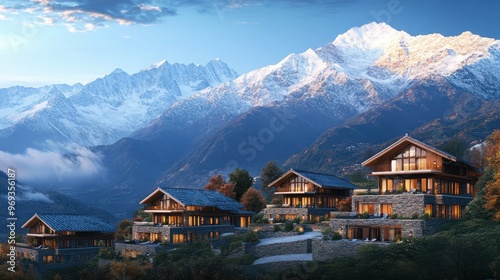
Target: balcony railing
{"points": [[300, 190], [412, 167], [171, 208]]}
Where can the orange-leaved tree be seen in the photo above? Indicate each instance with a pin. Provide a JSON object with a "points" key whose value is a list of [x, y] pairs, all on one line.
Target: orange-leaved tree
{"points": [[253, 200], [216, 183]]}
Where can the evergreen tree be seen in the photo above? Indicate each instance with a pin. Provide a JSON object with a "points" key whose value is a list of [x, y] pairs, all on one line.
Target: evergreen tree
{"points": [[242, 180], [475, 209], [269, 173], [492, 194]]}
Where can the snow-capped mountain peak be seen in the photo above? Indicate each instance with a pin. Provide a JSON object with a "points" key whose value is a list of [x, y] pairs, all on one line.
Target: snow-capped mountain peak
{"points": [[156, 65], [369, 36]]}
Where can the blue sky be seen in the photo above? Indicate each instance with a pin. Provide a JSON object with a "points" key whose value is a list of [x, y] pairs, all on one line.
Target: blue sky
{"points": [[68, 41]]}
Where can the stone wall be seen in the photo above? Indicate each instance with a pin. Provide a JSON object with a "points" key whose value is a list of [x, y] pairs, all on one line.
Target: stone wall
{"points": [[402, 204], [408, 204], [328, 249], [166, 232], [321, 249], [413, 227], [276, 211], [296, 247], [133, 250]]}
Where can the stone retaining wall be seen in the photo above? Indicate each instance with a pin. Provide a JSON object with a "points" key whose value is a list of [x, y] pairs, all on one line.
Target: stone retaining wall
{"points": [[321, 249], [295, 247], [402, 204], [133, 250], [328, 249], [409, 227]]}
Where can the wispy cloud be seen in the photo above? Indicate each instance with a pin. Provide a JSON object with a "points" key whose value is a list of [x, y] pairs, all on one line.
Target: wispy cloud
{"points": [[27, 194], [86, 15], [60, 164]]}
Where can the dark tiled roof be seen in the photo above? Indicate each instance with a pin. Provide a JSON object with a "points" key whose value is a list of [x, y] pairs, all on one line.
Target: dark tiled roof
{"points": [[326, 180], [197, 197], [76, 223]]}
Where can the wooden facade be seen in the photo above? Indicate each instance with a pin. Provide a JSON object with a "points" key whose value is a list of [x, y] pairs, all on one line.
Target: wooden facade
{"points": [[185, 215], [415, 180], [64, 240], [321, 193]]}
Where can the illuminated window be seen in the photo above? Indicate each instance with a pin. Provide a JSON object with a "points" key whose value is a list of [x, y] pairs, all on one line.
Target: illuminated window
{"points": [[411, 158], [178, 238], [428, 209], [48, 259], [456, 212], [386, 209]]}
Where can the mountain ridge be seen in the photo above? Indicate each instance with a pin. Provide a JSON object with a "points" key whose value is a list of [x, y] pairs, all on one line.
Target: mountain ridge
{"points": [[337, 103]]}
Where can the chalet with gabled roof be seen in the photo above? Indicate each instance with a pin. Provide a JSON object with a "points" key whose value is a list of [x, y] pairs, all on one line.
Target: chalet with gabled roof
{"points": [[65, 239], [416, 182], [309, 196], [185, 215]]}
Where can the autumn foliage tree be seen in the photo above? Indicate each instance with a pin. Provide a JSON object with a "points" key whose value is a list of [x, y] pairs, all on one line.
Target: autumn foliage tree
{"points": [[253, 200], [345, 204], [217, 183], [492, 195], [124, 230]]}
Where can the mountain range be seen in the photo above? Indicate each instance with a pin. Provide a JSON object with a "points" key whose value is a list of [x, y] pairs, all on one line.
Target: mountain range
{"points": [[322, 110], [102, 111]]}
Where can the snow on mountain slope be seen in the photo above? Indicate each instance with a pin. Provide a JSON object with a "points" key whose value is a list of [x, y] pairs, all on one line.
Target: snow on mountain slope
{"points": [[108, 108], [373, 49], [125, 103], [364, 67]]}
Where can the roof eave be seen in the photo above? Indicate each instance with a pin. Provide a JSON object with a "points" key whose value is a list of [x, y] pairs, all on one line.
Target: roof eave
{"points": [[372, 159]]}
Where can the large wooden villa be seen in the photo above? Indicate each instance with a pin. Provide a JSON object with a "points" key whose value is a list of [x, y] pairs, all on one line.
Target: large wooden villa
{"points": [[307, 195], [415, 180], [186, 215]]}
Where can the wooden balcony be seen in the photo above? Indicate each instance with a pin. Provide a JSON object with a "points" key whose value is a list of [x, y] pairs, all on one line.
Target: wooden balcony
{"points": [[309, 189], [428, 167], [158, 208]]}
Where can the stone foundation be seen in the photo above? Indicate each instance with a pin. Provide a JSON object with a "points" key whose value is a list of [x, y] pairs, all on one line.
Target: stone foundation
{"points": [[413, 228]]}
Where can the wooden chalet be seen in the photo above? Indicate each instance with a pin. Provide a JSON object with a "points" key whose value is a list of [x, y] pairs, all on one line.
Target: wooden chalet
{"points": [[308, 195]]}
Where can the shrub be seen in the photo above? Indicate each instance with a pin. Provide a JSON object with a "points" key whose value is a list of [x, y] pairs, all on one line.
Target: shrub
{"points": [[230, 243], [402, 189], [259, 219], [427, 216], [414, 215], [365, 215], [277, 228], [394, 216], [398, 238], [327, 231], [336, 236], [278, 200], [289, 225], [251, 236]]}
